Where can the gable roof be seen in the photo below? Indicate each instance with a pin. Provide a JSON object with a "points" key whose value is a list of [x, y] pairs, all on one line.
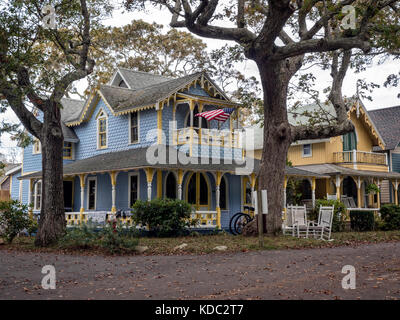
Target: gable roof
{"points": [[355, 105], [121, 100], [70, 111], [139, 79], [387, 121]]}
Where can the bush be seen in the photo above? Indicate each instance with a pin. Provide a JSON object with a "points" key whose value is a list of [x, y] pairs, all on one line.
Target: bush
{"points": [[115, 240], [390, 215], [14, 218], [338, 216], [362, 220], [112, 238], [164, 217]]}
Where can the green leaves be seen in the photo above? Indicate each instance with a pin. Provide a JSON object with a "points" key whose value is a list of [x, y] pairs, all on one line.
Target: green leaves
{"points": [[14, 219], [164, 217]]}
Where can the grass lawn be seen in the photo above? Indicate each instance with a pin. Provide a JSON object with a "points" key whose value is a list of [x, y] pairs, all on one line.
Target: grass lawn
{"points": [[205, 244]]}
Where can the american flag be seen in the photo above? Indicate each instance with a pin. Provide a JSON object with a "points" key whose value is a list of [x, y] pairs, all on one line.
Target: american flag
{"points": [[219, 114]]}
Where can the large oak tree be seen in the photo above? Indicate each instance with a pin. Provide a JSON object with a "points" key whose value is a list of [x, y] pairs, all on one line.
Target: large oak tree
{"points": [[25, 41], [279, 35]]}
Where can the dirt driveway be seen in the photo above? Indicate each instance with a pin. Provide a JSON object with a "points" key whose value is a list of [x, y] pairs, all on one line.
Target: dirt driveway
{"points": [[286, 274]]}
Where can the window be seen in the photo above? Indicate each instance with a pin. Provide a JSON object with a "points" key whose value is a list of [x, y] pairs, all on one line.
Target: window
{"points": [[223, 197], [171, 186], [349, 141], [67, 151], [198, 190], [133, 188], [307, 150], [92, 193], [134, 127], [37, 196], [102, 130], [37, 147]]}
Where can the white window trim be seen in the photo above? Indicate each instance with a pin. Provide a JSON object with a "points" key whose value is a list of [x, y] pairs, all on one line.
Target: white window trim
{"points": [[40, 147], [131, 174], [20, 191], [35, 207], [98, 129], [302, 151], [95, 194], [226, 194], [138, 126]]}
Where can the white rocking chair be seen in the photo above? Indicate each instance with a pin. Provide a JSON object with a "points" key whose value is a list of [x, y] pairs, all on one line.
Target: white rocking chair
{"points": [[296, 220], [323, 229]]}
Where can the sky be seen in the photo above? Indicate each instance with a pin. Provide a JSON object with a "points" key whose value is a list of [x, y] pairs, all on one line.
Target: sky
{"points": [[382, 97]]}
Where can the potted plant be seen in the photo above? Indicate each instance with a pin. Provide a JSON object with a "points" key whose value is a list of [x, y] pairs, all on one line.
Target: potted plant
{"points": [[372, 188]]}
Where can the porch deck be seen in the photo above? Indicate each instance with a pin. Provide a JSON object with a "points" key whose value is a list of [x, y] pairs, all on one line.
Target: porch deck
{"points": [[206, 219]]}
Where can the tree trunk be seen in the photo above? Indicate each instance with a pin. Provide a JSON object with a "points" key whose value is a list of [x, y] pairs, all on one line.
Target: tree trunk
{"points": [[275, 77], [52, 215]]}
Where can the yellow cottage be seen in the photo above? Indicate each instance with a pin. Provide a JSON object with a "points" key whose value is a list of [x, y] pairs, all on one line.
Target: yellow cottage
{"points": [[354, 162]]}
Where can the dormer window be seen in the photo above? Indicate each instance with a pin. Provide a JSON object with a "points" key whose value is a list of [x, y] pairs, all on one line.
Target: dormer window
{"points": [[307, 150], [67, 151], [102, 130]]}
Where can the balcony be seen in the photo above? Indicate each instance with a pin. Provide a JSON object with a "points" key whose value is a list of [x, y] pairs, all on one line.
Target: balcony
{"points": [[210, 137], [360, 157]]}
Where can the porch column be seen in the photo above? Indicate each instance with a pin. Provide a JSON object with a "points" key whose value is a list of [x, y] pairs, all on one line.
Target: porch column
{"points": [[337, 183], [113, 176], [252, 184], [359, 198], [82, 178], [378, 196], [149, 176], [180, 180], [191, 107], [396, 187], [284, 196], [313, 185], [159, 183], [217, 198]]}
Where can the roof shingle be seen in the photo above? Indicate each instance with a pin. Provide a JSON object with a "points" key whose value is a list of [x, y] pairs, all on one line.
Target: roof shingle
{"points": [[387, 122]]}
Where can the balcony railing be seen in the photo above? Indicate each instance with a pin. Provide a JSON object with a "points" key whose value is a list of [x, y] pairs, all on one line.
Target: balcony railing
{"points": [[211, 137], [360, 157]]}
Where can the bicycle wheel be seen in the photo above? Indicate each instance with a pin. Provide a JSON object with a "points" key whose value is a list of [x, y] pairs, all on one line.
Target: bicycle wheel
{"points": [[232, 224], [241, 221]]}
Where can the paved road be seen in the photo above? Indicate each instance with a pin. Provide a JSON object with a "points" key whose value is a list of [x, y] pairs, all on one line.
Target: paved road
{"points": [[287, 274]]}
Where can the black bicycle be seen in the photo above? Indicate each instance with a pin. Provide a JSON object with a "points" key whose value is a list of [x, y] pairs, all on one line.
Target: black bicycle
{"points": [[240, 219]]}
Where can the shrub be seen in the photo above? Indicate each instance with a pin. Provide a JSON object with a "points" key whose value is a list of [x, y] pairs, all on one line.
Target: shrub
{"points": [[14, 218], [164, 217], [362, 220], [112, 238], [338, 216], [83, 236], [115, 240], [390, 215]]}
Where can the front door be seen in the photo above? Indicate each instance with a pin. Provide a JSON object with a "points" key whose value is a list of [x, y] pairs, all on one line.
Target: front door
{"points": [[198, 191], [68, 195], [92, 197]]}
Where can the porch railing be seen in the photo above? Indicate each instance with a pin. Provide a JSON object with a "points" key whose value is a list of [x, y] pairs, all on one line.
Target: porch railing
{"points": [[206, 219], [211, 137], [360, 157]]}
